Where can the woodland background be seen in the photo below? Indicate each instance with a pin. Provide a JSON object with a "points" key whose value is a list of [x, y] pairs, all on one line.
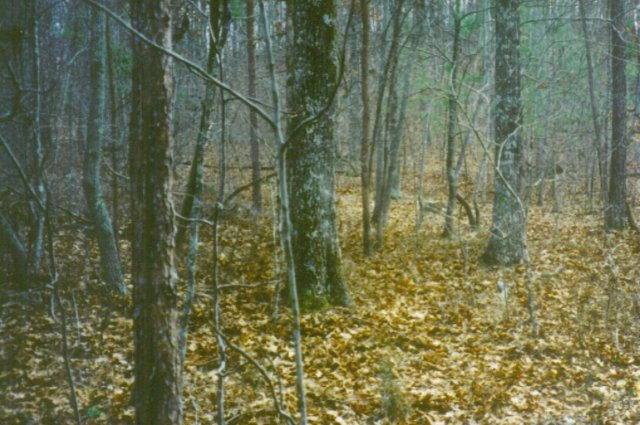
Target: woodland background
{"points": [[158, 204]]}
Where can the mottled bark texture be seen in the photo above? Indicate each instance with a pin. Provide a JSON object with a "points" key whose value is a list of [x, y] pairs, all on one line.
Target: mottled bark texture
{"points": [[508, 228], [311, 155], [158, 388], [615, 211], [98, 211]]}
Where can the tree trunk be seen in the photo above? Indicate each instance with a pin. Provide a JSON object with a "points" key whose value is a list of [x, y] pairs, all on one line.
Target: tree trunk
{"points": [[312, 155], [12, 243], [36, 236], [452, 122], [615, 212], [386, 150], [157, 394], [508, 229], [365, 172], [595, 115], [256, 193], [194, 183], [98, 211], [116, 144]]}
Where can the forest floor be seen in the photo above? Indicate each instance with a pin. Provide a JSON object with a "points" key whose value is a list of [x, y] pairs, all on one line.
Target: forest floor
{"points": [[429, 338]]}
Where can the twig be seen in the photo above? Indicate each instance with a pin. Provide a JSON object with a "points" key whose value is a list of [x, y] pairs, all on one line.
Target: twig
{"points": [[276, 402]]}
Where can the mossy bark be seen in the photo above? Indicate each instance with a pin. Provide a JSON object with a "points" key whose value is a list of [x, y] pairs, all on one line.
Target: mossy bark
{"points": [[311, 155], [508, 229]]}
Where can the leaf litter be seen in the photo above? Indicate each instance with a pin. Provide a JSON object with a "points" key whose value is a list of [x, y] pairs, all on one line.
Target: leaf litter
{"points": [[425, 342]]}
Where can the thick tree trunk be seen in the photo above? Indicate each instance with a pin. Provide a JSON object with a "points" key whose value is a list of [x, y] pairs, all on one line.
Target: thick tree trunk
{"points": [[508, 229], [311, 156], [157, 395], [98, 211], [615, 211]]}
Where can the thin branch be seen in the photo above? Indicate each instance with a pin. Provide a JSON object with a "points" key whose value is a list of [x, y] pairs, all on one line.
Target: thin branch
{"points": [[191, 66], [272, 389]]}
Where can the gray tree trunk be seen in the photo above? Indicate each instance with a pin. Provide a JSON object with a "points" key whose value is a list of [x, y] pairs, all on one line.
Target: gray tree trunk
{"points": [[311, 156], [256, 193], [387, 149], [36, 236], [615, 211], [98, 211], [508, 227], [595, 115], [452, 125], [365, 171]]}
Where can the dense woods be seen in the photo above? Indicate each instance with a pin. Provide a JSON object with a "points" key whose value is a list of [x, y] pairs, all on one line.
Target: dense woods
{"points": [[319, 211]]}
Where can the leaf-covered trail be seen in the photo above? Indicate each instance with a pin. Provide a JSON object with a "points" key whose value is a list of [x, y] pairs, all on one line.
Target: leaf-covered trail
{"points": [[433, 323]]}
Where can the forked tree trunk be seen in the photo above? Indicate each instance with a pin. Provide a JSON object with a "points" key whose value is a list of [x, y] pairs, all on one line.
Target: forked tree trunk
{"points": [[157, 393], [386, 149]]}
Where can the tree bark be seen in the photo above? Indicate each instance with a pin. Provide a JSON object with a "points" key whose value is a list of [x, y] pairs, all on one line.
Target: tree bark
{"points": [[508, 229], [365, 172], [157, 394], [12, 243], [452, 122], [386, 149], [311, 156], [615, 211], [256, 193], [595, 115], [36, 236], [98, 211]]}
